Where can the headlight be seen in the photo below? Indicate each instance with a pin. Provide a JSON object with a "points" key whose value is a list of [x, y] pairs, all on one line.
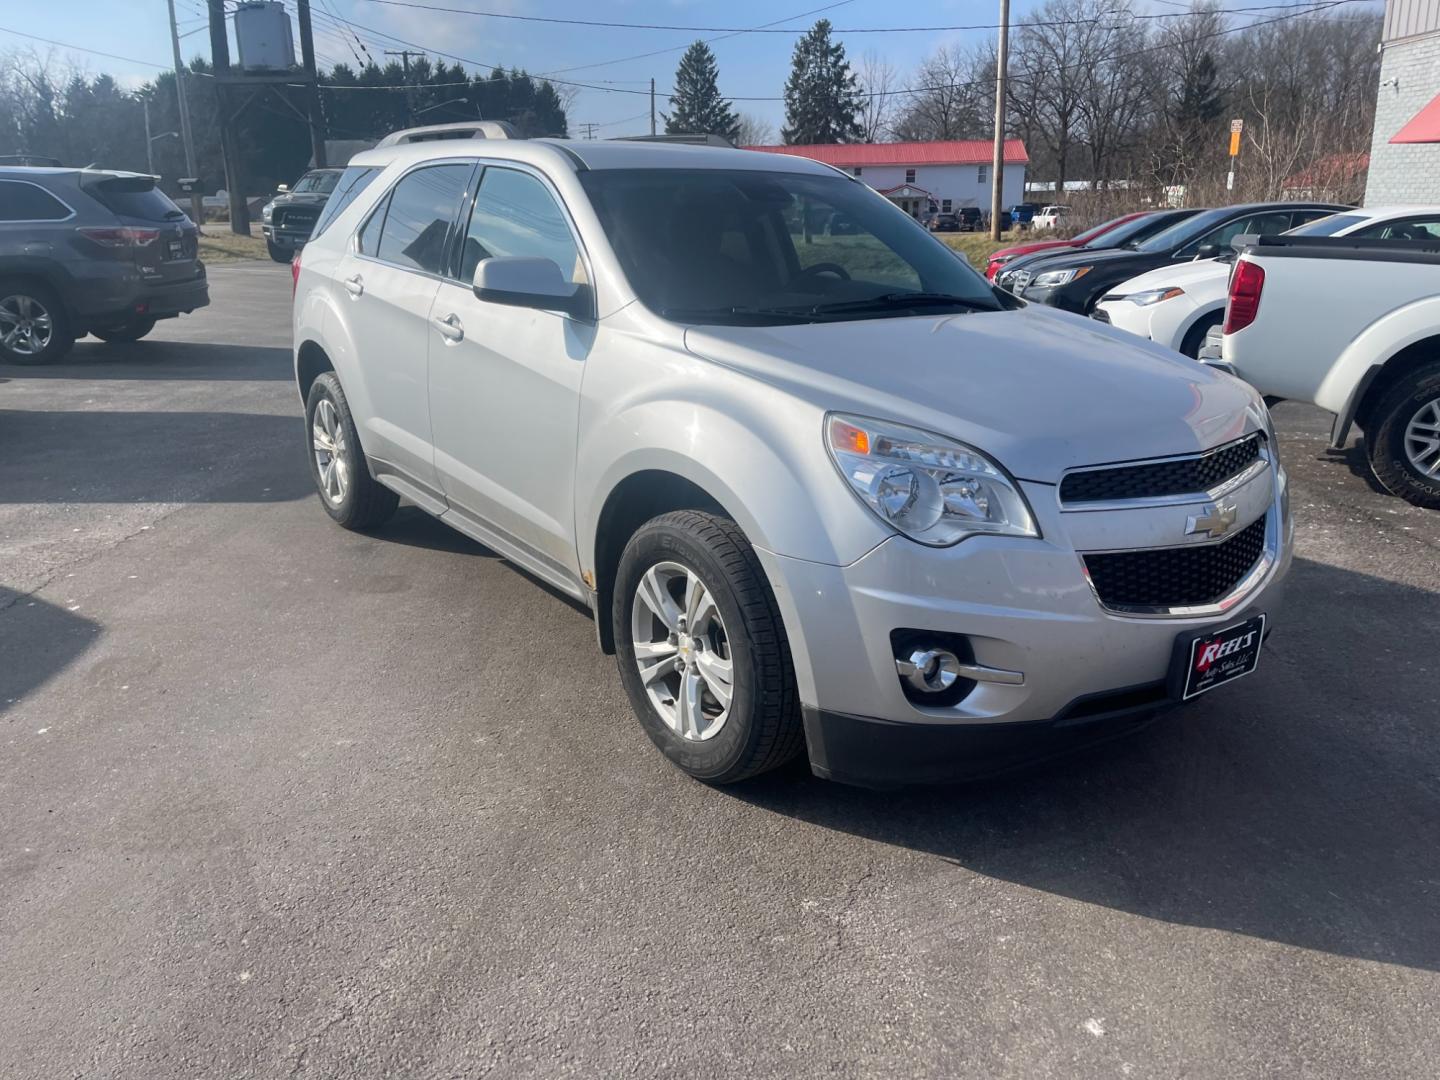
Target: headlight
{"points": [[266, 211], [1154, 296], [1058, 277], [932, 489]]}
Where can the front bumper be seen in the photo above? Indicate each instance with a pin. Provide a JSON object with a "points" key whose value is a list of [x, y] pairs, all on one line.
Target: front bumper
{"points": [[287, 238], [1022, 605]]}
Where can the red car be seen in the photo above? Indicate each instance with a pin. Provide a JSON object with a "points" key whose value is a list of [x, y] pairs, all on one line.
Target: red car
{"points": [[1004, 255]]}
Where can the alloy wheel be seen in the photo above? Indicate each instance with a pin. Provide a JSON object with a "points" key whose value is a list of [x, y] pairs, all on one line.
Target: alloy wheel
{"points": [[682, 651], [1422, 439], [26, 328], [332, 459]]}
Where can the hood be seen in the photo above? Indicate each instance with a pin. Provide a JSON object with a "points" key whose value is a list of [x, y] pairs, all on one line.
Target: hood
{"points": [[1030, 249], [1039, 390], [302, 198], [1190, 276]]}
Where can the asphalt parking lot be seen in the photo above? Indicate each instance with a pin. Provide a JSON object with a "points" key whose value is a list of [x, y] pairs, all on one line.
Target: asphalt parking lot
{"points": [[277, 799]]}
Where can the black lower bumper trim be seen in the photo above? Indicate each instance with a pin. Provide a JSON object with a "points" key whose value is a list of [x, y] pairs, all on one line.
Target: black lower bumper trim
{"points": [[871, 752]]}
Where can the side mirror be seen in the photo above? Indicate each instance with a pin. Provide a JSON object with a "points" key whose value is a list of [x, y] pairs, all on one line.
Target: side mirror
{"points": [[524, 281], [1207, 251], [282, 188]]}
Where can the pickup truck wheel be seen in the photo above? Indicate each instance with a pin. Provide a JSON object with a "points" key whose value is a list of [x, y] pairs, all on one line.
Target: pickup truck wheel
{"points": [[1404, 447], [348, 492], [133, 330], [1195, 336], [702, 651], [34, 326], [278, 253]]}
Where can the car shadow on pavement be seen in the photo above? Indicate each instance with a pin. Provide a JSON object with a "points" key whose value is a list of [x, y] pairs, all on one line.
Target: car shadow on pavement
{"points": [[191, 361], [50, 638], [416, 528], [94, 456], [1303, 808]]}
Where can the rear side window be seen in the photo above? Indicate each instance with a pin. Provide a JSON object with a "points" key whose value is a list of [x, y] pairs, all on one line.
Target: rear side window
{"points": [[351, 183], [417, 224], [23, 201], [133, 197]]}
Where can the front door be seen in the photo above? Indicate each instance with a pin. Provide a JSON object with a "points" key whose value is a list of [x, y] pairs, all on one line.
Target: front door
{"points": [[505, 383], [390, 282]]}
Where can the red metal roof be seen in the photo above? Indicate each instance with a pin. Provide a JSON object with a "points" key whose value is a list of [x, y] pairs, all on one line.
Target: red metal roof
{"points": [[959, 152], [1424, 126]]}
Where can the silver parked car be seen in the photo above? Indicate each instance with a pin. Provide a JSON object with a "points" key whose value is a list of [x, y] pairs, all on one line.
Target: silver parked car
{"points": [[823, 492]]}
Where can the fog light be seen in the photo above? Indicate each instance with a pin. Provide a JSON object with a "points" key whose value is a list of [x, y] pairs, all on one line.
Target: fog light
{"points": [[929, 671]]}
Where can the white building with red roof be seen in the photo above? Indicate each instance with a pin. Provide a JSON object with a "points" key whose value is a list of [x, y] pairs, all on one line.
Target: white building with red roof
{"points": [[924, 177]]}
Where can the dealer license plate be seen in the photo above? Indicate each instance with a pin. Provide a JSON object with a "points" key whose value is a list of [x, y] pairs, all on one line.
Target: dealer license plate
{"points": [[1204, 661]]}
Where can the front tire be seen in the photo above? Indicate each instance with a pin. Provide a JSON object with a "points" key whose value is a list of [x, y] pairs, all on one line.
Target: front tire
{"points": [[1195, 336], [702, 651], [1403, 441], [34, 325], [133, 330], [342, 477]]}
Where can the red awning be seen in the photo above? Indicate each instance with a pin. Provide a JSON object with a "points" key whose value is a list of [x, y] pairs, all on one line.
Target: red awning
{"points": [[1424, 126]]}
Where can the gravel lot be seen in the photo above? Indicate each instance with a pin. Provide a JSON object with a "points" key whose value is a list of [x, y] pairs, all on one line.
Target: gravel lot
{"points": [[277, 799]]}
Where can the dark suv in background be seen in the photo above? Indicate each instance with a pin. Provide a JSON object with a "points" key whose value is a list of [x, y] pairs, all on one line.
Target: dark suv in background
{"points": [[90, 251], [288, 219]]}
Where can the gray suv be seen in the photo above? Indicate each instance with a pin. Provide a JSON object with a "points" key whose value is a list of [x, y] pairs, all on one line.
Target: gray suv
{"points": [[90, 251]]}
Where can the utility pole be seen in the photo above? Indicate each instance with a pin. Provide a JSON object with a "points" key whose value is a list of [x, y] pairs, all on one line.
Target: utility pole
{"points": [[149, 147], [197, 207], [307, 60], [589, 127], [405, 55], [652, 106], [229, 148], [997, 179]]}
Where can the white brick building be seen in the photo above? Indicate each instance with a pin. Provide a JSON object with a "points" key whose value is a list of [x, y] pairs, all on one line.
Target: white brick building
{"points": [[924, 177], [1405, 148]]}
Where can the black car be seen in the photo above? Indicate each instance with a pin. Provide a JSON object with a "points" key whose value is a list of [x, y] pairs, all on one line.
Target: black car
{"points": [[971, 219], [945, 223], [1125, 235], [288, 219], [90, 251], [1075, 280]]}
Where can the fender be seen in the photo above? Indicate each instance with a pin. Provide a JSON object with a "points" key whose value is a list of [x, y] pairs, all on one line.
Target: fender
{"points": [[1343, 387]]}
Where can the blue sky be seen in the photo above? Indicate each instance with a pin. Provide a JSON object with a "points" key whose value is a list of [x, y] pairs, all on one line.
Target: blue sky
{"points": [[751, 65]]}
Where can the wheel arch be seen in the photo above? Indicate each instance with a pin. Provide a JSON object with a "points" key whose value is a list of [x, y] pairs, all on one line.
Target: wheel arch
{"points": [[311, 361], [1385, 375]]}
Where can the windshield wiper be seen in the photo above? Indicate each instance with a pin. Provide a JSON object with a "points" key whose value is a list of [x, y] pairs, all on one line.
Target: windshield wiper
{"points": [[788, 315], [901, 301]]}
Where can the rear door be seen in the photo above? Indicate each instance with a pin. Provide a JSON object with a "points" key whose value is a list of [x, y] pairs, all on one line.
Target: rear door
{"points": [[164, 241], [388, 280]]}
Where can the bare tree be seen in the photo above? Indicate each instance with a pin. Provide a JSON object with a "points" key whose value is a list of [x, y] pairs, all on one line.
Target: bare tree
{"points": [[878, 81], [953, 96], [754, 131]]}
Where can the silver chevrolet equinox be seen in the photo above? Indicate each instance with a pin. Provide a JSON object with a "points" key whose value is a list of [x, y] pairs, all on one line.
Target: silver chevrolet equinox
{"points": [[821, 486]]}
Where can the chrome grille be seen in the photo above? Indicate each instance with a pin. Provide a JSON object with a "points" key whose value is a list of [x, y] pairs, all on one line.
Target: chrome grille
{"points": [[1157, 479], [1162, 578]]}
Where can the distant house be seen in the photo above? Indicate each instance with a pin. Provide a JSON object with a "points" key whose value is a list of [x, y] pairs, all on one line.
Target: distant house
{"points": [[923, 178], [1405, 148], [1337, 178]]}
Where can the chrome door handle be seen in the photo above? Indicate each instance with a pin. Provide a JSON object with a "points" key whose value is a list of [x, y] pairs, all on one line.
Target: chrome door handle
{"points": [[355, 285], [450, 327]]}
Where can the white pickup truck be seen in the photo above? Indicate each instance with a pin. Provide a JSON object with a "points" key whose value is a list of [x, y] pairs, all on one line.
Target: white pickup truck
{"points": [[1352, 326]]}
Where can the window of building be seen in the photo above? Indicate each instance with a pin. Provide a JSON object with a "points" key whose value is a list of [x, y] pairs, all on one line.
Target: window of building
{"points": [[909, 176], [856, 170], [945, 206], [982, 174]]}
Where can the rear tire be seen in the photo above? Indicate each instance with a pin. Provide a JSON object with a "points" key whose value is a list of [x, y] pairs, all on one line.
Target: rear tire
{"points": [[34, 325], [342, 477], [723, 642], [1403, 440], [278, 253], [133, 330]]}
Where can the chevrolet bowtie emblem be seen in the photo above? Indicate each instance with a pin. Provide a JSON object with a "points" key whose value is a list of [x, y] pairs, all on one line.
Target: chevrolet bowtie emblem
{"points": [[1217, 520]]}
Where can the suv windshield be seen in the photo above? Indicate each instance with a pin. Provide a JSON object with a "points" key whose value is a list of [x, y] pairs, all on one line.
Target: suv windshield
{"points": [[319, 183], [1328, 226], [748, 246]]}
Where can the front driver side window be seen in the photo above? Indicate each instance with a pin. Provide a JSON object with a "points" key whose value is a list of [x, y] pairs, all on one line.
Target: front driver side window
{"points": [[515, 214], [1265, 224]]}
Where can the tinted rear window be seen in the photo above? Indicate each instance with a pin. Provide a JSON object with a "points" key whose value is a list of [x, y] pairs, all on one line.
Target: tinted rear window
{"points": [[22, 201], [134, 197], [352, 182]]}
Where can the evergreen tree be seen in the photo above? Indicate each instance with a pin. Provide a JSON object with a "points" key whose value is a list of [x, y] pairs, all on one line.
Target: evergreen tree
{"points": [[698, 108], [822, 96]]}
